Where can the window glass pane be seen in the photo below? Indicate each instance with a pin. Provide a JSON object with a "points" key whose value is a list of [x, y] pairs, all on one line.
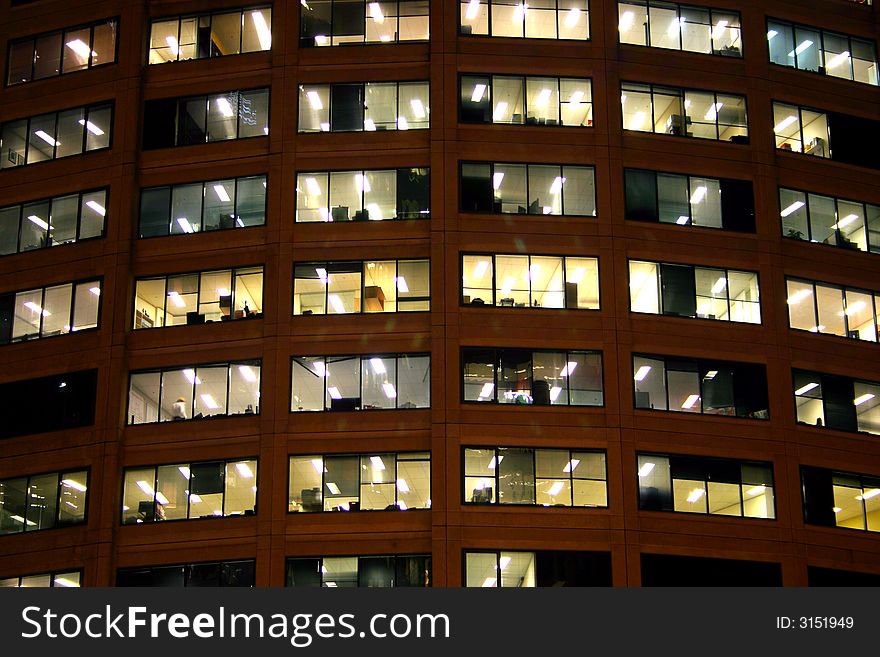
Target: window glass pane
{"points": [[851, 511], [98, 126], [633, 23], [309, 290], [665, 26], [780, 40], [42, 502], [29, 313], [807, 49], [588, 473], [13, 503], [77, 50], [191, 126], [306, 473], [21, 61], [347, 105], [307, 387], [47, 59], [851, 225], [793, 210], [164, 45], [547, 286], [413, 285], [689, 495], [210, 391], [540, 19], [248, 294], [56, 310], [815, 126], [579, 193], [542, 100], [343, 282], [517, 569], [712, 288], [341, 483], [70, 132], [177, 394], [206, 485], [684, 387], [346, 197], [757, 491], [314, 108], [673, 199], [705, 202], [36, 581], [85, 312], [864, 61], [545, 189], [414, 379], [138, 495], [669, 112], [378, 385], [173, 494], [14, 142], [481, 569], [550, 385], [477, 185], [723, 499], [380, 286], [241, 488], [516, 476], [226, 33], [253, 113], [413, 106], [478, 371], [476, 99], [650, 383], [509, 183], [859, 309], [512, 280], [251, 201], [585, 379], [244, 388], [143, 398], [222, 112], [186, 208], [180, 306], [702, 115], [149, 303], [219, 205], [9, 218], [480, 475], [823, 219], [582, 283], [42, 141], [379, 193], [726, 33], [378, 482], [829, 301], [215, 294], [808, 398], [836, 55], [801, 308], [104, 43], [311, 197], [867, 403], [786, 127], [413, 481], [696, 31], [477, 275], [637, 108], [155, 206], [340, 572], [507, 98], [62, 219], [508, 20], [552, 479], [343, 385], [644, 287], [66, 579]]}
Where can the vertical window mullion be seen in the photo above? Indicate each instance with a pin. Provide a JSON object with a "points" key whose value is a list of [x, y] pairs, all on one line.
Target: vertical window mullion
{"points": [[494, 279], [228, 385], [496, 366], [527, 183], [156, 493], [529, 275], [651, 96]]}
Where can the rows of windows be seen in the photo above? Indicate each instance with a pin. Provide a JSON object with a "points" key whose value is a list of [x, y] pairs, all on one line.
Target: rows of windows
{"points": [[208, 296], [218, 573], [710, 387], [509, 188], [52, 222], [360, 482], [832, 309], [201, 391], [530, 281], [685, 200], [829, 220], [517, 569], [57, 499], [713, 486], [365, 195], [828, 53], [373, 286], [49, 311], [690, 291], [55, 135], [56, 53], [837, 402], [526, 376], [841, 499], [363, 106], [684, 112], [203, 206], [518, 100], [680, 27], [341, 22], [355, 383], [536, 477], [204, 119], [43, 580], [210, 35], [359, 571], [549, 19], [180, 491], [48, 403]]}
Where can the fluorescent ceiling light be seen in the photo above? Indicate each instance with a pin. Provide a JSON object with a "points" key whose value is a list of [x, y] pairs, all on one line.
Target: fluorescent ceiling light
{"points": [[401, 285], [144, 486], [402, 486], [837, 509], [698, 195], [369, 125], [874, 492], [503, 562], [557, 184], [577, 96], [222, 194], [322, 275], [500, 111], [97, 207], [333, 391], [177, 300], [172, 43], [325, 127], [95, 290], [771, 34], [543, 98], [487, 390], [626, 21], [711, 374], [91, 127], [818, 329], [418, 108], [377, 365], [210, 402], [784, 123], [389, 390], [264, 34], [244, 470], [46, 138], [337, 304], [318, 465], [315, 100], [682, 220], [555, 489], [720, 26], [42, 224], [190, 375], [361, 182], [247, 373], [374, 211], [222, 292], [794, 207], [491, 466], [32, 306], [479, 90], [80, 48], [756, 490], [720, 284], [805, 389], [320, 368], [572, 17], [713, 111], [313, 186], [333, 488], [184, 470], [846, 221], [496, 180], [646, 469], [401, 505], [481, 268], [837, 60], [861, 399], [852, 309], [519, 13], [690, 401], [571, 465], [376, 12], [185, 226], [472, 10], [224, 107], [577, 276], [70, 483], [637, 121], [799, 296], [642, 373], [696, 494], [161, 499], [555, 391], [402, 123], [321, 39], [489, 582], [67, 583], [806, 43], [377, 462], [569, 368]]}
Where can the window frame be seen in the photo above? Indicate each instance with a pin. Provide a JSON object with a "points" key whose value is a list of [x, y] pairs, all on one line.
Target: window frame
{"points": [[60, 474], [461, 33], [329, 85], [843, 289], [821, 376], [73, 285], [678, 7], [306, 41]]}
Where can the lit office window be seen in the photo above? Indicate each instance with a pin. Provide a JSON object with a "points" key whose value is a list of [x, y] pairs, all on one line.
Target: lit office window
{"points": [[518, 100], [49, 403], [552, 189], [203, 206], [43, 580], [516, 569], [359, 383], [837, 402], [683, 200], [360, 482], [341, 22], [698, 484], [52, 221], [212, 574], [826, 53], [204, 119], [182, 491], [193, 393], [531, 377], [49, 311], [710, 387], [839, 137], [833, 309], [373, 286], [55, 135], [364, 106], [828, 220], [530, 281], [801, 130], [684, 112], [680, 27], [43, 501], [371, 195], [691, 291], [535, 477], [56, 53], [841, 499], [210, 35], [549, 19], [197, 298], [364, 571]]}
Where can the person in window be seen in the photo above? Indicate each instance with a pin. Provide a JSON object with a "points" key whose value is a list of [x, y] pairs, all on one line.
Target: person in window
{"points": [[178, 409], [246, 310]]}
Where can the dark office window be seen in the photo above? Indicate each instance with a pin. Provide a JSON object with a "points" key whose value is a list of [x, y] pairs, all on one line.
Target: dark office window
{"points": [[50, 403], [43, 501], [841, 499], [515, 569], [710, 387], [359, 571], [675, 570], [689, 200], [70, 579], [834, 577], [224, 573], [204, 119]]}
